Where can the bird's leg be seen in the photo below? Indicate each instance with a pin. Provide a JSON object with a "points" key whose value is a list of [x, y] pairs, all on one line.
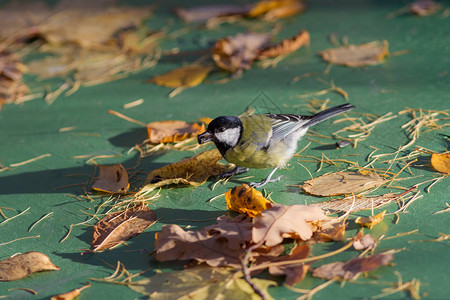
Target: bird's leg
{"points": [[267, 180], [235, 171]]}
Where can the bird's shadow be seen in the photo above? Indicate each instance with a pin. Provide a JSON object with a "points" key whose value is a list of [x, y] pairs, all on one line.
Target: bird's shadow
{"points": [[72, 179]]}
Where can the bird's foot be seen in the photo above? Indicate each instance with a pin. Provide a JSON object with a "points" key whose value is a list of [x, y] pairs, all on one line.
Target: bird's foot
{"points": [[267, 180], [235, 171]]}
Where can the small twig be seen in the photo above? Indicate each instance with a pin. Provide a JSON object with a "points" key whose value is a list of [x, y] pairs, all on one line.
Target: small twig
{"points": [[31, 291], [29, 160], [37, 222], [9, 219], [122, 116], [22, 238]]}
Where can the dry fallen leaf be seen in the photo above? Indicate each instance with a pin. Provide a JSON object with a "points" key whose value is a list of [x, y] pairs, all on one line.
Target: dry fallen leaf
{"points": [[276, 9], [202, 14], [72, 294], [338, 183], [356, 203], [370, 221], [193, 171], [425, 7], [350, 270], [295, 272], [217, 245], [112, 179], [188, 76], [330, 230], [201, 282], [247, 200], [236, 53], [364, 241], [286, 46], [22, 265], [115, 228], [357, 55], [89, 24], [441, 162], [281, 221], [172, 131]]}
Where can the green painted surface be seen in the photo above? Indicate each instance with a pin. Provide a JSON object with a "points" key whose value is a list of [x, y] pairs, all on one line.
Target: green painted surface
{"points": [[418, 79]]}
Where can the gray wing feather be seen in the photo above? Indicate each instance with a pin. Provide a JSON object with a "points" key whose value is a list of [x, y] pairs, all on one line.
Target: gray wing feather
{"points": [[286, 124]]}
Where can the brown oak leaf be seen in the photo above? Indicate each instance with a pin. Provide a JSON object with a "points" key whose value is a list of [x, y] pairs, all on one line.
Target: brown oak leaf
{"points": [[351, 269], [22, 265], [281, 221], [216, 245], [115, 228]]}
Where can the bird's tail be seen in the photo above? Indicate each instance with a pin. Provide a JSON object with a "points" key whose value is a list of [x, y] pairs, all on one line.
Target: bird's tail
{"points": [[328, 113]]}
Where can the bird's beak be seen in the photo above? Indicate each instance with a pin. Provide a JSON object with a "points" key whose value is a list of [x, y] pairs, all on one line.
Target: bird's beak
{"points": [[205, 137]]}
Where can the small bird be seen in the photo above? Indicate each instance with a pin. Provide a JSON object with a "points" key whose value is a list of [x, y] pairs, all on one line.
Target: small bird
{"points": [[262, 141]]}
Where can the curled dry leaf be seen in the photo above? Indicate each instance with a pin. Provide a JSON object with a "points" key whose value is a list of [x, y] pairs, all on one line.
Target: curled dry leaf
{"points": [[370, 221], [364, 241], [350, 270], [286, 46], [202, 14], [115, 228], [193, 171], [441, 162], [72, 294], [22, 265], [172, 131], [237, 53], [188, 76], [112, 179], [276, 9], [357, 55], [338, 183], [201, 282], [330, 230], [281, 221], [247, 200], [217, 245]]}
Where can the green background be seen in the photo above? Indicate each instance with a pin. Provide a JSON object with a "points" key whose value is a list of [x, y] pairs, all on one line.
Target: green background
{"points": [[418, 79]]}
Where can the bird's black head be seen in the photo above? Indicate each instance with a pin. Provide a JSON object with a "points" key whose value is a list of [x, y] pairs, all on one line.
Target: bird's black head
{"points": [[224, 131]]}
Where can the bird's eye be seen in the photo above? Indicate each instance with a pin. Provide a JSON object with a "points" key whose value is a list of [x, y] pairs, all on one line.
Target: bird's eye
{"points": [[221, 129]]}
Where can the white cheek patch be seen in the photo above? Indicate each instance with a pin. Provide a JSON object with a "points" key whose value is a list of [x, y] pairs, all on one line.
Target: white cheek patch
{"points": [[229, 136]]}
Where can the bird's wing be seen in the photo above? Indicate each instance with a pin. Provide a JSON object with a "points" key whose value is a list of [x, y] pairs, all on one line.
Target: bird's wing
{"points": [[285, 124], [257, 129]]}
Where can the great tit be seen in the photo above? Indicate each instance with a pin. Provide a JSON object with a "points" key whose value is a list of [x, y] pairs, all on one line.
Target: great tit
{"points": [[262, 141]]}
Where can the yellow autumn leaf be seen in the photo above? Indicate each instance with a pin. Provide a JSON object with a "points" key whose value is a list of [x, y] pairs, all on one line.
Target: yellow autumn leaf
{"points": [[247, 200], [275, 9], [188, 76], [172, 131], [193, 171], [441, 162], [370, 221]]}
